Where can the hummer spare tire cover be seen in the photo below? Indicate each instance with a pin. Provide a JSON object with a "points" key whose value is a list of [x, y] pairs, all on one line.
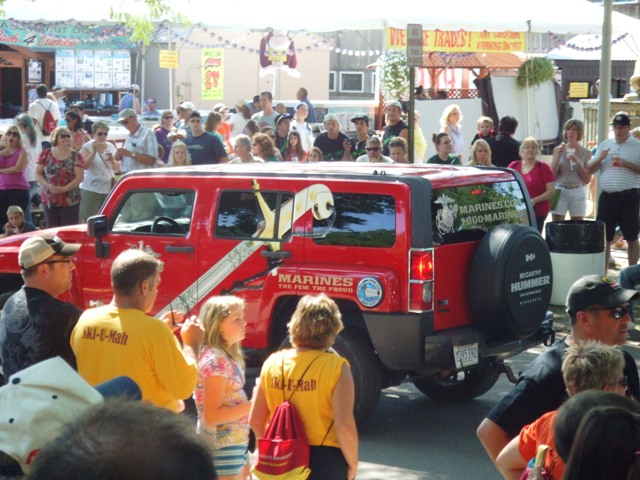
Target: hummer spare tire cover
{"points": [[510, 282]]}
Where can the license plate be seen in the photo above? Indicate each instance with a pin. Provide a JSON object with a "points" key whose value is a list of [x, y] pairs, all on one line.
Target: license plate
{"points": [[465, 355]]}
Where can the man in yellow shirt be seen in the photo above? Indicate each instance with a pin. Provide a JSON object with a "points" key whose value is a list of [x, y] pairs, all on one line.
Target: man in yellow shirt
{"points": [[121, 339]]}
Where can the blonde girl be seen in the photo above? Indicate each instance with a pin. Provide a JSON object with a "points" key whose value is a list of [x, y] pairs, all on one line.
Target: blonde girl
{"points": [[450, 124], [179, 155], [480, 154], [221, 403]]}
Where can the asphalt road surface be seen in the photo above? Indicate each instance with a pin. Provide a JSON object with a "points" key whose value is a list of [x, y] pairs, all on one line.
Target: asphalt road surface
{"points": [[412, 437]]}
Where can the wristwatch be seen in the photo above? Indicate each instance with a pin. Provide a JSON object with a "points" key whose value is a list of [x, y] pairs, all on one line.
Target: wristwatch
{"points": [[133, 155]]}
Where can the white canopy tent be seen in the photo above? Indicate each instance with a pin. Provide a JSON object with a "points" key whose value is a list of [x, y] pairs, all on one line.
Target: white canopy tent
{"points": [[542, 16], [589, 47]]}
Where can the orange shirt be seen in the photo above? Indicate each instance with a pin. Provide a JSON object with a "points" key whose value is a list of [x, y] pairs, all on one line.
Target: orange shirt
{"points": [[538, 433]]}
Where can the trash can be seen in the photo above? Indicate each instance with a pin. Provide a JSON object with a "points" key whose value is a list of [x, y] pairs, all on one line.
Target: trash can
{"points": [[577, 248]]}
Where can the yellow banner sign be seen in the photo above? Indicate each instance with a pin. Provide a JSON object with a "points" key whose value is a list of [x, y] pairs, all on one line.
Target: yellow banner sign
{"points": [[212, 73], [168, 59], [459, 41]]}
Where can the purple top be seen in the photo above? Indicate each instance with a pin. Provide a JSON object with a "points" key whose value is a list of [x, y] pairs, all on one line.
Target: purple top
{"points": [[12, 181], [161, 136]]}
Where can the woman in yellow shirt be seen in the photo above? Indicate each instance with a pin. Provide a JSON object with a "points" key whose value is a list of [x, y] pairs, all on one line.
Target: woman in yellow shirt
{"points": [[320, 385]]}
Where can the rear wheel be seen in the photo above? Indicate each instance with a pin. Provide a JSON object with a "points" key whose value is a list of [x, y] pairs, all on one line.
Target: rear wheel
{"points": [[459, 386], [366, 369], [354, 345]]}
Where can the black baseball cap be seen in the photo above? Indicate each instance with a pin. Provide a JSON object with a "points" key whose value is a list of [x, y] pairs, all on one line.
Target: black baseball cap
{"points": [[621, 119], [361, 116], [594, 289]]}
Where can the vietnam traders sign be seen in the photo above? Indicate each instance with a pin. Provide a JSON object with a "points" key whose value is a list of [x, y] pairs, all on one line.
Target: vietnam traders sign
{"points": [[458, 41]]}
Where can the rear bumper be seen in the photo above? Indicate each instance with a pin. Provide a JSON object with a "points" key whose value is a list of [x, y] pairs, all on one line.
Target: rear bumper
{"points": [[408, 342]]}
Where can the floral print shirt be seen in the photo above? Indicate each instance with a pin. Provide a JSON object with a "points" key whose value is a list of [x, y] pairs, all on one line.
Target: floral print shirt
{"points": [[59, 173], [214, 362]]}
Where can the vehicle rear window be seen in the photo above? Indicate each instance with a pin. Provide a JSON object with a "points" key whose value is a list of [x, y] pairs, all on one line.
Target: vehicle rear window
{"points": [[361, 220], [461, 214]]}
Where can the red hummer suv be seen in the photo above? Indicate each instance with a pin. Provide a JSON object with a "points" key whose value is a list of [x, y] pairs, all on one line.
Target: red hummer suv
{"points": [[438, 274]]}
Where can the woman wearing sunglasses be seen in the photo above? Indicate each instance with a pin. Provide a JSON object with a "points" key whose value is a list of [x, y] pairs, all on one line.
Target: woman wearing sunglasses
{"points": [[60, 172], [99, 170], [14, 188]]}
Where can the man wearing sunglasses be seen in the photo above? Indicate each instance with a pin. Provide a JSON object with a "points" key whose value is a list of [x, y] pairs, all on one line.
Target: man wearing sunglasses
{"points": [[598, 309], [34, 324], [373, 147]]}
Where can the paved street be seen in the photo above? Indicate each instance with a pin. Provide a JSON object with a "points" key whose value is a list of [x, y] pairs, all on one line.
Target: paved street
{"points": [[415, 438]]}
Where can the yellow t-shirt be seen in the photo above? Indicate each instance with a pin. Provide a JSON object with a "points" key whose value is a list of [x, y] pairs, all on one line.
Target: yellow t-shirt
{"points": [[312, 397], [109, 342]]}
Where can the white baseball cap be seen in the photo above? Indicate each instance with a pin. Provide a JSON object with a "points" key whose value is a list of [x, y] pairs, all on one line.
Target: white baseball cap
{"points": [[35, 250], [38, 401], [331, 117]]}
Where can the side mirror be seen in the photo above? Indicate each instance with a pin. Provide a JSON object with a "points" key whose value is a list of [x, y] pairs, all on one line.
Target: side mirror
{"points": [[97, 226]]}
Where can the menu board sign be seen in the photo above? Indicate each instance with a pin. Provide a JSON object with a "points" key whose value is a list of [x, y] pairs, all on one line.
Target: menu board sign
{"points": [[93, 69]]}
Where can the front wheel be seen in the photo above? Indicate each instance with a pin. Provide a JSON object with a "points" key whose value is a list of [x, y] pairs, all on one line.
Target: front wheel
{"points": [[459, 386]]}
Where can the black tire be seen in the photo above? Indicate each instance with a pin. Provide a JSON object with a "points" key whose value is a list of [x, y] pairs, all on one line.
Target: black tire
{"points": [[355, 346], [459, 386], [510, 282], [366, 369]]}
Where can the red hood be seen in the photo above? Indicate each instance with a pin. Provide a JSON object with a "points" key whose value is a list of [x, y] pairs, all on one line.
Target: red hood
{"points": [[10, 246]]}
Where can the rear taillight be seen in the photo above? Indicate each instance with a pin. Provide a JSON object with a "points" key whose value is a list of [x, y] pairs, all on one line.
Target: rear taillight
{"points": [[421, 280]]}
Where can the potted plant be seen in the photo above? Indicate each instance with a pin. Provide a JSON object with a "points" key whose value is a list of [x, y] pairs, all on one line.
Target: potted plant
{"points": [[394, 76], [535, 71]]}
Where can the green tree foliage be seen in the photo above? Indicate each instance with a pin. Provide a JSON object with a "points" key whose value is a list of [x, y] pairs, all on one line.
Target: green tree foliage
{"points": [[535, 71]]}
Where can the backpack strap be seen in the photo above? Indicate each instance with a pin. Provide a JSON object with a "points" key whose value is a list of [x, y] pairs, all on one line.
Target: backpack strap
{"points": [[327, 434], [296, 387], [303, 374], [45, 108]]}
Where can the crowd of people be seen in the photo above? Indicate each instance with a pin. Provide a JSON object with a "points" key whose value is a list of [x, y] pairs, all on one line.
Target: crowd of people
{"points": [[177, 356], [52, 165], [536, 412], [169, 359]]}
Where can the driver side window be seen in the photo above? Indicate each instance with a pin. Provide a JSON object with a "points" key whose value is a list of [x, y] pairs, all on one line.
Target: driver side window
{"points": [[155, 213]]}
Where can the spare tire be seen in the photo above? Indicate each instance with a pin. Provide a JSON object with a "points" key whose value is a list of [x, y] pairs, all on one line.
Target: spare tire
{"points": [[510, 282]]}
